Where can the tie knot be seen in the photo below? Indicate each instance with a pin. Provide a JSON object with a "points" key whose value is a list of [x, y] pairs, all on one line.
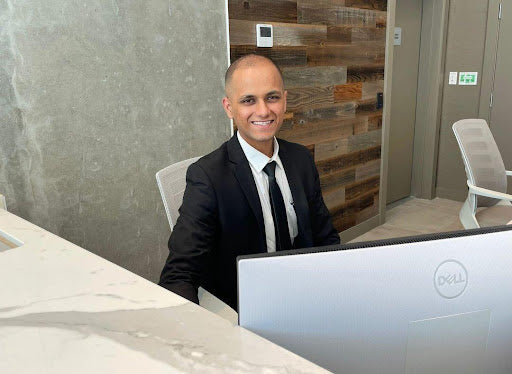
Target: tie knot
{"points": [[270, 169]]}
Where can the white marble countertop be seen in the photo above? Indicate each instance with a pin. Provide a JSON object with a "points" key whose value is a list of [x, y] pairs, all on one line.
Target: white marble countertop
{"points": [[66, 310]]}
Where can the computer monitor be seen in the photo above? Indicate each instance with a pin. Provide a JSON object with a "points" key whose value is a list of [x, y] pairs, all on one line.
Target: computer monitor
{"points": [[438, 303]]}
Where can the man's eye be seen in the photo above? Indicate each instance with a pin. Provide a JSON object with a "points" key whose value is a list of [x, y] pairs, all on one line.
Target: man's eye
{"points": [[247, 101], [273, 98]]}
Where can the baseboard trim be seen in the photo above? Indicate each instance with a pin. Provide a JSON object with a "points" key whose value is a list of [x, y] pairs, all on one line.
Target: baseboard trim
{"points": [[360, 229]]}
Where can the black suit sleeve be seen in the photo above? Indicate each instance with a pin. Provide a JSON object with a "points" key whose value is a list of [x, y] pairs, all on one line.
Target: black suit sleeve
{"points": [[193, 237], [321, 223]]}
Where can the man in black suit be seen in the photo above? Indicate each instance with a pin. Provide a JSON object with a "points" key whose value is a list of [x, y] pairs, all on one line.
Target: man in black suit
{"points": [[253, 194]]}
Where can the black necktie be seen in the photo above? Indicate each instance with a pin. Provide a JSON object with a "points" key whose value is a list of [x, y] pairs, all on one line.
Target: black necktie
{"points": [[283, 241]]}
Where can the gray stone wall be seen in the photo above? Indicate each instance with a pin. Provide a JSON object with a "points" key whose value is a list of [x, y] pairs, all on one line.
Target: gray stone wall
{"points": [[95, 97]]}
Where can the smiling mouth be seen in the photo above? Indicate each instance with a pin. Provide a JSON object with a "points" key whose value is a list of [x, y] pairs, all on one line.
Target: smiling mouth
{"points": [[262, 123]]}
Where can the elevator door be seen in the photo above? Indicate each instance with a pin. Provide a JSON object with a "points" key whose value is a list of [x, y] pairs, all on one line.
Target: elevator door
{"points": [[500, 120]]}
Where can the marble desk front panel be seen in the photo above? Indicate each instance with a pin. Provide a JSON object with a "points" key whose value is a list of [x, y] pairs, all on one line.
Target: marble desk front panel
{"points": [[64, 309]]}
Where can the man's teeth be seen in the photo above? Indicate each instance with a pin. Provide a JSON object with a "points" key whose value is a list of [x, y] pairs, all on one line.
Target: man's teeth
{"points": [[262, 123]]}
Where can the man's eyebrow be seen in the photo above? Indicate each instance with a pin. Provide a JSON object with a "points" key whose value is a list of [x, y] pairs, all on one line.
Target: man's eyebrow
{"points": [[274, 93], [249, 96]]}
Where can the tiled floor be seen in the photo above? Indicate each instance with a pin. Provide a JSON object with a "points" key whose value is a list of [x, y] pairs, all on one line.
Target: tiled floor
{"points": [[417, 216]]}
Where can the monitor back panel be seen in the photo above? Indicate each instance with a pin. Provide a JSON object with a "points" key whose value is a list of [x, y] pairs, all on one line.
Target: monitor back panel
{"points": [[422, 307]]}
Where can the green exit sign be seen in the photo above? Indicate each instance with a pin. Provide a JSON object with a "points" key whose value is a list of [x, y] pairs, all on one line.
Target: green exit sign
{"points": [[468, 78]]}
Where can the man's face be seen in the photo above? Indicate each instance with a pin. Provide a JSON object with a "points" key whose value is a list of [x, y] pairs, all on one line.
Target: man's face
{"points": [[256, 102]]}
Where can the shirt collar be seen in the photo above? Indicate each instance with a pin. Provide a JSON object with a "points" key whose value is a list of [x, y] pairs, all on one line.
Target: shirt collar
{"points": [[257, 159]]}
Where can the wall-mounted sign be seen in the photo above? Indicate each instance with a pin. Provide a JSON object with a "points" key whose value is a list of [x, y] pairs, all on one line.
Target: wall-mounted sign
{"points": [[468, 78]]}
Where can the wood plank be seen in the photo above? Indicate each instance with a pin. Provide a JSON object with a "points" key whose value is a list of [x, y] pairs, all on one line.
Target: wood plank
{"points": [[341, 111], [366, 34], [347, 160], [320, 4], [314, 76], [361, 127], [342, 34], [359, 142], [282, 56], [317, 132], [342, 222], [335, 15], [367, 170], [368, 4], [288, 115], [331, 148], [350, 34], [369, 54], [375, 121], [349, 91], [302, 98], [381, 20], [356, 17], [311, 148], [338, 147], [369, 212], [243, 32], [367, 106], [263, 10], [334, 197], [317, 16], [353, 206], [372, 122], [345, 216], [355, 190], [370, 89], [335, 180], [365, 73]]}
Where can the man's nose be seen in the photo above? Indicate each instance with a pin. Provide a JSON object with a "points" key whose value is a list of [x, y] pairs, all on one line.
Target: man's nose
{"points": [[262, 109]]}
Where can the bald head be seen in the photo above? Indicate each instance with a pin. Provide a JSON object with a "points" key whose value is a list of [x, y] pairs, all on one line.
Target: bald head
{"points": [[246, 61]]}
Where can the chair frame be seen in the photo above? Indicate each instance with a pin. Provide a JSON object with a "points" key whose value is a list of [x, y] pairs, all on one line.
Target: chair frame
{"points": [[206, 299], [172, 216], [467, 214]]}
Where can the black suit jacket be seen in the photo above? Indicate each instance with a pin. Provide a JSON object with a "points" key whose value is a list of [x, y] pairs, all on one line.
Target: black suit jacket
{"points": [[221, 218]]}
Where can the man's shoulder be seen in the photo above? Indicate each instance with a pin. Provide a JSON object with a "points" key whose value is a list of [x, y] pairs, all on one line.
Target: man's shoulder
{"points": [[215, 158]]}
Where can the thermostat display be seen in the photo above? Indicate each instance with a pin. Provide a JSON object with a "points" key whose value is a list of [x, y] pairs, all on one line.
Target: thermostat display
{"points": [[264, 35]]}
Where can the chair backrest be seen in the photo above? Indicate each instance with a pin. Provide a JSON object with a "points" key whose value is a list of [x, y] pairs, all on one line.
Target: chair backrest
{"points": [[171, 183], [482, 158]]}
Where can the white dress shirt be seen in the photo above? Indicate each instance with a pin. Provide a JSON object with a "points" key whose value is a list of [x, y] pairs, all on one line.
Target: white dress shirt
{"points": [[257, 162]]}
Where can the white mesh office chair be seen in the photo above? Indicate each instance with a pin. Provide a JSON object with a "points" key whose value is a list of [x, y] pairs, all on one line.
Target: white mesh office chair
{"points": [[171, 183], [488, 203]]}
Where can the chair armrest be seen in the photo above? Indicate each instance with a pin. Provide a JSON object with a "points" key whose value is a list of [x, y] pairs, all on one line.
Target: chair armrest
{"points": [[509, 173], [488, 193]]}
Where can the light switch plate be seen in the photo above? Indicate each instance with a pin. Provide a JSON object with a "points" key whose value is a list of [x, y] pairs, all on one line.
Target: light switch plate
{"points": [[397, 40], [453, 77]]}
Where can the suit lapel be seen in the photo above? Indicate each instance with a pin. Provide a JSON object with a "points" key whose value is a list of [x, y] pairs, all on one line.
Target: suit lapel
{"points": [[243, 175], [300, 201]]}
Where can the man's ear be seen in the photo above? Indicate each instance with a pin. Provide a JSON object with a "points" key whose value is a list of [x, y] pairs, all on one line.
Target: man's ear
{"points": [[285, 94], [227, 107]]}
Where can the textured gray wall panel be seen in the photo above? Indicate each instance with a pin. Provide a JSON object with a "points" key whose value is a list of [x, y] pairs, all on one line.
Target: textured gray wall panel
{"points": [[95, 97]]}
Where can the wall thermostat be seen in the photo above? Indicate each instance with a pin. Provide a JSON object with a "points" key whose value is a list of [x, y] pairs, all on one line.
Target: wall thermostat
{"points": [[264, 35]]}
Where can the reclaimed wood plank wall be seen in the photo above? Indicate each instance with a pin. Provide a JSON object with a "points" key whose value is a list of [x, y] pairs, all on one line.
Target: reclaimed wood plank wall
{"points": [[331, 53]]}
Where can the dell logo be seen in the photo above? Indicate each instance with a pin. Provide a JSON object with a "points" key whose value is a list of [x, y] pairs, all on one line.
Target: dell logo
{"points": [[450, 279]]}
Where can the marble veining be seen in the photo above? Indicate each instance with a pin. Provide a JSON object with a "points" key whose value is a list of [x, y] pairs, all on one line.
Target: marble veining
{"points": [[64, 309]]}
